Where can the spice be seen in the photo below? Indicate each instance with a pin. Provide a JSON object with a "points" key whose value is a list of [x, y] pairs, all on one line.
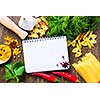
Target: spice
{"points": [[67, 76], [19, 56], [46, 76], [64, 64], [13, 44], [14, 57], [11, 41]]}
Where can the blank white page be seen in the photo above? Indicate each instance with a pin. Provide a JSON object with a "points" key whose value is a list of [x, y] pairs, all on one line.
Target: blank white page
{"points": [[45, 54]]}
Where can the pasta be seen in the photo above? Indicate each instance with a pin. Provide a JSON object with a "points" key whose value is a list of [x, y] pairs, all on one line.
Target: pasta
{"points": [[5, 52]]}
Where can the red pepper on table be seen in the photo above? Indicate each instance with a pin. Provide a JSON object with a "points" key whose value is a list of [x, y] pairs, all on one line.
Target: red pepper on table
{"points": [[46, 76], [98, 82], [67, 76]]}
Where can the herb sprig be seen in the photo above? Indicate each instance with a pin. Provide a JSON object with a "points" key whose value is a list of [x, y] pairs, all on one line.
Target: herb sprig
{"points": [[13, 71]]}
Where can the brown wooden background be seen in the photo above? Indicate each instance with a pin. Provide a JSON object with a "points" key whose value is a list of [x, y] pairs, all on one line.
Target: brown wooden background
{"points": [[28, 78]]}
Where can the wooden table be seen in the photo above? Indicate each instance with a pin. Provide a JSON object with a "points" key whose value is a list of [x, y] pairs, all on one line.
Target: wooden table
{"points": [[28, 78]]}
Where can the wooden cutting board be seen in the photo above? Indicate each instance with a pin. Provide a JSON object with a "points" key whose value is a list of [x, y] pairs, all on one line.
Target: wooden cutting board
{"points": [[28, 78]]}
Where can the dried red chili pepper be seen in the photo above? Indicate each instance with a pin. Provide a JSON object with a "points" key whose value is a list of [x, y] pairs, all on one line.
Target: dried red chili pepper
{"points": [[67, 76], [47, 77]]}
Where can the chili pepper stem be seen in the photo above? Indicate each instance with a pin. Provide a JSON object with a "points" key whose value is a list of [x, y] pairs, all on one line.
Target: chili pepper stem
{"points": [[78, 81], [57, 81], [98, 82]]}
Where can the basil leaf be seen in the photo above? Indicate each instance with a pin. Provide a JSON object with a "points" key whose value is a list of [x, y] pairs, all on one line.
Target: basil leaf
{"points": [[9, 66], [19, 71], [17, 64], [14, 70], [8, 75]]}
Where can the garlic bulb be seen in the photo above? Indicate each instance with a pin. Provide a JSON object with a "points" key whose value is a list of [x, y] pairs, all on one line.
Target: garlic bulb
{"points": [[27, 22]]}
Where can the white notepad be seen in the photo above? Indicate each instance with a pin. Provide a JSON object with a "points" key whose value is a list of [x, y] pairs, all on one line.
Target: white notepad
{"points": [[45, 54]]}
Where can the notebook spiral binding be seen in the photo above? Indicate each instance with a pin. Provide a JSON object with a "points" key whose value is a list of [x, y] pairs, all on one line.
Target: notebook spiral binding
{"points": [[43, 39]]}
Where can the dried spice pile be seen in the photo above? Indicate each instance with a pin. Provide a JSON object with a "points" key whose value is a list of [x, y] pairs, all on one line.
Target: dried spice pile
{"points": [[13, 44]]}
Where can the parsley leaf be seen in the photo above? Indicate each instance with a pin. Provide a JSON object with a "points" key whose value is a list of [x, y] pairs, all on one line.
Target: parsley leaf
{"points": [[71, 26]]}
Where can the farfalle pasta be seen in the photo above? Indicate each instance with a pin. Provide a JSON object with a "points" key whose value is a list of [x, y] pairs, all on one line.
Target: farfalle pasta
{"points": [[84, 39]]}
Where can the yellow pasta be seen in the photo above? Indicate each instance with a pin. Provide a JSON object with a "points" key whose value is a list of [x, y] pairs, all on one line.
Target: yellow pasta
{"points": [[16, 51], [88, 68], [84, 39], [12, 43], [5, 52]]}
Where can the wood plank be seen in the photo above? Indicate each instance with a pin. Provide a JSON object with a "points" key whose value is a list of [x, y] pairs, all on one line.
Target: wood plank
{"points": [[28, 78]]}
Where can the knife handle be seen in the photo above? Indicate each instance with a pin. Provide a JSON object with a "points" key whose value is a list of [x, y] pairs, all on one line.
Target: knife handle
{"points": [[7, 22]]}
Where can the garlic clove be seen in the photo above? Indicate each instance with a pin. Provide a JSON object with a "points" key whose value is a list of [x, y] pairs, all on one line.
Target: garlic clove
{"points": [[27, 22]]}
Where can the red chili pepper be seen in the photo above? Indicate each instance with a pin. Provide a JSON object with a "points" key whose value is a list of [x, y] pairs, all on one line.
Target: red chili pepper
{"points": [[47, 77], [98, 82], [67, 76]]}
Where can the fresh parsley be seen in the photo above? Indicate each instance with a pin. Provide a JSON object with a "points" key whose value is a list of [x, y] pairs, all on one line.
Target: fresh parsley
{"points": [[71, 26]]}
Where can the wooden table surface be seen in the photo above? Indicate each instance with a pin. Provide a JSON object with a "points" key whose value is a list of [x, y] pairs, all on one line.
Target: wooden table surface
{"points": [[28, 78]]}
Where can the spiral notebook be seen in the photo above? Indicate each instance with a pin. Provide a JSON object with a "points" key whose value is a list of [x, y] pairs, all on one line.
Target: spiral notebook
{"points": [[45, 54]]}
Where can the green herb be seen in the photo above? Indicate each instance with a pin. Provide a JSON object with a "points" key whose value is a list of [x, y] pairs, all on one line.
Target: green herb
{"points": [[71, 26], [13, 71]]}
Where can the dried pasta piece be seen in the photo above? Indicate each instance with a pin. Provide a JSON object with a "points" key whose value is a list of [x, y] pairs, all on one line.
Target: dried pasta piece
{"points": [[33, 35], [74, 43], [69, 43], [7, 38], [16, 51], [78, 54], [84, 39], [40, 28], [77, 51]]}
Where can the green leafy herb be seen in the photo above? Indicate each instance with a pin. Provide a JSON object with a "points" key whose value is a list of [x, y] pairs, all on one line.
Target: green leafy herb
{"points": [[19, 71], [71, 26], [13, 71], [8, 75]]}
